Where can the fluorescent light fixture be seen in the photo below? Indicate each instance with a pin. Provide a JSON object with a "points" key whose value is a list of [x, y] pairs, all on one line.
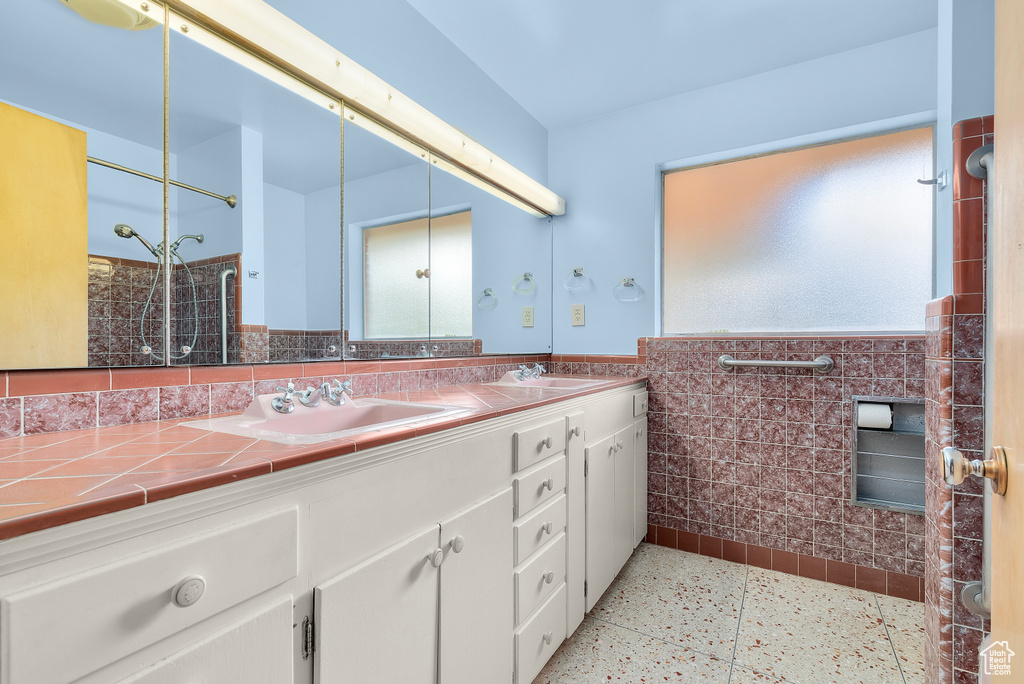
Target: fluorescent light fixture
{"points": [[372, 126], [222, 47], [483, 185], [297, 51]]}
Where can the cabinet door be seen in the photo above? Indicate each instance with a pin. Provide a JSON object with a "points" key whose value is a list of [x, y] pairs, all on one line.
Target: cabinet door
{"points": [[257, 650], [601, 567], [639, 481], [377, 623], [624, 496], [575, 523], [476, 594]]}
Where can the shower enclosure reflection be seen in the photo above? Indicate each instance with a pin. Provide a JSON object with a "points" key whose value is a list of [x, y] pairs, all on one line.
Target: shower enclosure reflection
{"points": [[266, 278]]}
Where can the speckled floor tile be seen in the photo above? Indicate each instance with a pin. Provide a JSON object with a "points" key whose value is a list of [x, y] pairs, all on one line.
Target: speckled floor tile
{"points": [[905, 622], [805, 631], [601, 652], [742, 675], [688, 600], [669, 615]]}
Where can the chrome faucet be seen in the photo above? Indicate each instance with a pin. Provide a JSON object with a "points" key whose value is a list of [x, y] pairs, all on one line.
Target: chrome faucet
{"points": [[310, 397], [284, 404], [335, 394], [527, 373]]}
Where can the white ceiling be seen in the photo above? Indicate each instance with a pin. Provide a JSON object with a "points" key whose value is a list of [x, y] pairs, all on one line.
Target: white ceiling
{"points": [[568, 60]]}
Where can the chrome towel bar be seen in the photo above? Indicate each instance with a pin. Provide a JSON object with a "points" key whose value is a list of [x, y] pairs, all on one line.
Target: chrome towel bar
{"points": [[822, 364]]}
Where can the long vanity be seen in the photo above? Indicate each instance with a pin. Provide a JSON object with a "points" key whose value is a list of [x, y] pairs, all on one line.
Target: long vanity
{"points": [[465, 554]]}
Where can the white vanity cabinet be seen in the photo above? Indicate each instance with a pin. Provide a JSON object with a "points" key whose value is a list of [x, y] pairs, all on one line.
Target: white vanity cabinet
{"points": [[616, 491], [136, 617], [434, 607], [541, 551], [639, 480], [464, 556], [256, 650]]}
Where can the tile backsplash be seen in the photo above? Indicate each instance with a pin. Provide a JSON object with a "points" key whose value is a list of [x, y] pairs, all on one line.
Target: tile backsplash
{"points": [[42, 401], [762, 456]]}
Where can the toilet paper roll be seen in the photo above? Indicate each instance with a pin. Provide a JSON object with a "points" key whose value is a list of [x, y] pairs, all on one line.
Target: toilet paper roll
{"points": [[874, 416]]}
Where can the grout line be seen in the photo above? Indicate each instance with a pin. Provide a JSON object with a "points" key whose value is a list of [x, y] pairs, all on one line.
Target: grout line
{"points": [[591, 616], [739, 623], [888, 636]]}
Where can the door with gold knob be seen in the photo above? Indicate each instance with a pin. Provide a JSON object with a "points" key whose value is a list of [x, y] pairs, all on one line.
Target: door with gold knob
{"points": [[1006, 193]]}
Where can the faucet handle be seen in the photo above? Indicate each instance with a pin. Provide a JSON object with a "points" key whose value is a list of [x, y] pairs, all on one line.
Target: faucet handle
{"points": [[310, 396], [345, 386], [539, 368], [284, 404]]}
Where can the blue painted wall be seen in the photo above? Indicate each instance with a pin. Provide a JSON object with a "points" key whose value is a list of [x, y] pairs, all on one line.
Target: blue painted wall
{"points": [[608, 168]]}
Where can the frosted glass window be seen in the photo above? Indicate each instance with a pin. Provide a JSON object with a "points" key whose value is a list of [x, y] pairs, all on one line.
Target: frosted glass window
{"points": [[398, 304], [451, 276], [829, 238]]}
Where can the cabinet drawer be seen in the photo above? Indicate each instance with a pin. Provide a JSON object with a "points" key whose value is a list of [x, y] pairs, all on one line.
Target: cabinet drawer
{"points": [[62, 630], [538, 639], [536, 486], [535, 444], [533, 531], [539, 578], [639, 404]]}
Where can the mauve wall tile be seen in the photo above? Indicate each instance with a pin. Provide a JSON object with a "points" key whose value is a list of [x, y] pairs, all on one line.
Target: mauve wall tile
{"points": [[762, 456], [184, 402], [121, 407], [10, 417], [230, 396], [59, 412]]}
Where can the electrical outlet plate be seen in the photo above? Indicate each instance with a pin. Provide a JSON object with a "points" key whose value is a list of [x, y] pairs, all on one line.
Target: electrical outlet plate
{"points": [[577, 314], [527, 316]]}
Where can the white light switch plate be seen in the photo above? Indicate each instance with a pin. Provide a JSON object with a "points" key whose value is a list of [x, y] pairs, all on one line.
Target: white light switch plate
{"points": [[577, 314]]}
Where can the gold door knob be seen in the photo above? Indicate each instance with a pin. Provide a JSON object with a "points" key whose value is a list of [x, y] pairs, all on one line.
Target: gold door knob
{"points": [[956, 468], [422, 272]]}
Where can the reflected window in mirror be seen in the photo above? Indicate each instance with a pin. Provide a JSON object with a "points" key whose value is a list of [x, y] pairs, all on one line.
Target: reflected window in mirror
{"points": [[81, 111], [406, 299]]}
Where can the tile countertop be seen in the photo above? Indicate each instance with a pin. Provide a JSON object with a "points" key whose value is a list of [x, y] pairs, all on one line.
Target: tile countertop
{"points": [[51, 479]]}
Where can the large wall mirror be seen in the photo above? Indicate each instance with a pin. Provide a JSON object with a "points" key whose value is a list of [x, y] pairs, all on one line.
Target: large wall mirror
{"points": [[436, 265], [251, 267], [81, 110], [257, 279]]}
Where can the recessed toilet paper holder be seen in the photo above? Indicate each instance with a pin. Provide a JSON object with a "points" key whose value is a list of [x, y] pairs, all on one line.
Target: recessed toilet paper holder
{"points": [[887, 459]]}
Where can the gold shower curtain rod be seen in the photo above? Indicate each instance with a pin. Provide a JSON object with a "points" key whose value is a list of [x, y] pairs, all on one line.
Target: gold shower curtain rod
{"points": [[231, 200]]}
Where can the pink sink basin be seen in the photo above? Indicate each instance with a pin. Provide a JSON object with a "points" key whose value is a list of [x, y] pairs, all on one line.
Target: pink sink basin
{"points": [[547, 381], [309, 425]]}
